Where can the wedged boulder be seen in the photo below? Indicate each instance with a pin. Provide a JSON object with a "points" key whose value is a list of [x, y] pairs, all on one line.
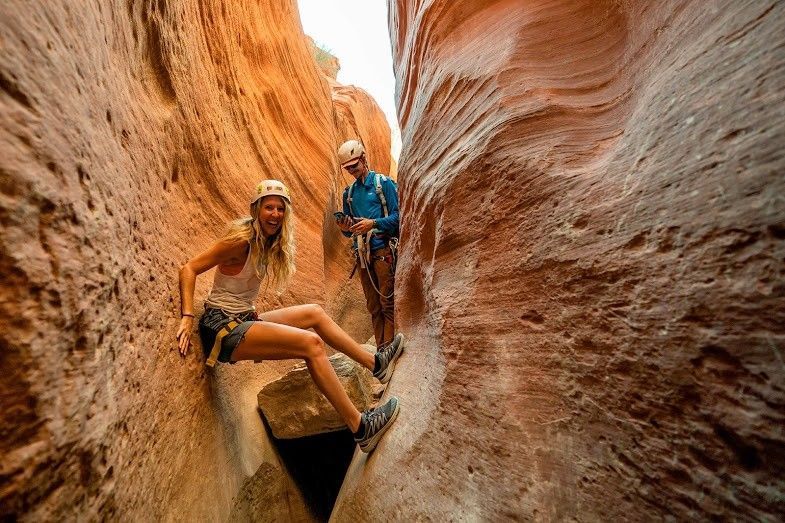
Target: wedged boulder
{"points": [[294, 407]]}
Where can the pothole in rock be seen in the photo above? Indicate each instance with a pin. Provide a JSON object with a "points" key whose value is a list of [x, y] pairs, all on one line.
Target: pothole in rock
{"points": [[318, 465]]}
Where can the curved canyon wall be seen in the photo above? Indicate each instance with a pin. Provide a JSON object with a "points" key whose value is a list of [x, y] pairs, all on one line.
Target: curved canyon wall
{"points": [[131, 132], [592, 267]]}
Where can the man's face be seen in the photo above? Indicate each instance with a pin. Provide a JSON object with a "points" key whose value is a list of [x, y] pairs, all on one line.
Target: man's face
{"points": [[357, 168]]}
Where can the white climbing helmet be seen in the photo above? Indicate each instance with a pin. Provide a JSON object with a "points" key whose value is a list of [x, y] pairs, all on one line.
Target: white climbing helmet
{"points": [[349, 152], [271, 188]]}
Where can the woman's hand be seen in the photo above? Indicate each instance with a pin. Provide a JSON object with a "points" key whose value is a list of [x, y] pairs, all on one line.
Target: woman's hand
{"points": [[363, 226], [184, 334]]}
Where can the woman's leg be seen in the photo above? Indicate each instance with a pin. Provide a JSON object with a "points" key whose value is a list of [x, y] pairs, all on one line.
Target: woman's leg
{"points": [[271, 341], [314, 317]]}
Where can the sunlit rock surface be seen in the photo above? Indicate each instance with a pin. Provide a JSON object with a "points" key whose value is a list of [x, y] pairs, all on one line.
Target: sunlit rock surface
{"points": [[327, 63], [592, 271], [130, 133], [358, 116]]}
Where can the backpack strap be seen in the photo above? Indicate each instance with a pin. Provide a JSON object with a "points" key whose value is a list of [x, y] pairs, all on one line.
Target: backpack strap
{"points": [[380, 194], [349, 197]]}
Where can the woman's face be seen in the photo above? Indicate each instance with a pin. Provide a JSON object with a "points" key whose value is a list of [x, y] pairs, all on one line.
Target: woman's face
{"points": [[271, 214]]}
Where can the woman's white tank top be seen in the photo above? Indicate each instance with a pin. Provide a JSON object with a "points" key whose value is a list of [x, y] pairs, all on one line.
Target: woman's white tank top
{"points": [[236, 293]]}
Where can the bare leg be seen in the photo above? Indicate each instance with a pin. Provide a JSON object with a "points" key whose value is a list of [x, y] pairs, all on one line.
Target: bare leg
{"points": [[314, 317], [272, 341]]}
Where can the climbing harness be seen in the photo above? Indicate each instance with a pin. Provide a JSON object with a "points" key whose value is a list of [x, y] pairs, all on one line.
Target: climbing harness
{"points": [[216, 350], [364, 257]]}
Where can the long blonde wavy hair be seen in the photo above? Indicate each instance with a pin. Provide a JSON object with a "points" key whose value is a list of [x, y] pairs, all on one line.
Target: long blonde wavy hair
{"points": [[271, 257]]}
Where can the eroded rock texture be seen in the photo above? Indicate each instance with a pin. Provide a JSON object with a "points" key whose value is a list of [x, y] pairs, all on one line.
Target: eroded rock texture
{"points": [[131, 132], [359, 117], [592, 271]]}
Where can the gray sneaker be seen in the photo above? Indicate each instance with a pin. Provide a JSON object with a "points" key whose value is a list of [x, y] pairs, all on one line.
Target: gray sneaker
{"points": [[376, 422], [387, 355]]}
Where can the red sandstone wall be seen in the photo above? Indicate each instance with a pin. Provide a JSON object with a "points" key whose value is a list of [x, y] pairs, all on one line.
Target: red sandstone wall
{"points": [[357, 115], [130, 132], [592, 270]]}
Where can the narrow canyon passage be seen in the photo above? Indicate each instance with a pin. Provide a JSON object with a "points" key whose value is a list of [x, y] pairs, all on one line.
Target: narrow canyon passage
{"points": [[590, 275]]}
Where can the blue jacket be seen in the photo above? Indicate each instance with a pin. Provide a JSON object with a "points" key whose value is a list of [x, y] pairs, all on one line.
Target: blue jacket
{"points": [[366, 204]]}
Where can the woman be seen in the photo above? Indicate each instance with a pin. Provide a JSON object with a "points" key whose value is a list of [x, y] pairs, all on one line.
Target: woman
{"points": [[261, 246]]}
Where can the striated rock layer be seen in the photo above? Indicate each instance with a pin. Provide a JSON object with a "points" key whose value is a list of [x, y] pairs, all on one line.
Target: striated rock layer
{"points": [[130, 133], [358, 116], [592, 271], [327, 63]]}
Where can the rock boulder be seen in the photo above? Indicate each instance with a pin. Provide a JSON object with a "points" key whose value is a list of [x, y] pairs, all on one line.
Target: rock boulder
{"points": [[294, 407]]}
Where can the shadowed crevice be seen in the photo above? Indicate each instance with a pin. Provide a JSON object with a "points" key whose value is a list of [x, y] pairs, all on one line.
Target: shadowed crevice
{"points": [[318, 465]]}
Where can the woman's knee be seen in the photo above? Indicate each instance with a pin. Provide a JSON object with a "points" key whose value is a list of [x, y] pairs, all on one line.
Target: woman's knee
{"points": [[313, 346], [315, 313]]}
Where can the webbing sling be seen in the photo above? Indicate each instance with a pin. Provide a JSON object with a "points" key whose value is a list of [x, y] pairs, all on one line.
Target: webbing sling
{"points": [[226, 329], [364, 247]]}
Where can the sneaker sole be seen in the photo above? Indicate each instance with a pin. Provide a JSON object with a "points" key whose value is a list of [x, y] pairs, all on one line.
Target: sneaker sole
{"points": [[371, 444]]}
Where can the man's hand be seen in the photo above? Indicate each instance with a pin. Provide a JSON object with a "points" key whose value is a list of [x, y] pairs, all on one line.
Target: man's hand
{"points": [[344, 224], [363, 226]]}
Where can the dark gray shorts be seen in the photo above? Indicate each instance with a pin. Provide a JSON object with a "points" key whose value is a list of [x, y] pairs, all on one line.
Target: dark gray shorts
{"points": [[213, 321]]}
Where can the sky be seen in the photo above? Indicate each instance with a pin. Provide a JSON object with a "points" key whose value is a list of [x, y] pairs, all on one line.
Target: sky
{"points": [[356, 32]]}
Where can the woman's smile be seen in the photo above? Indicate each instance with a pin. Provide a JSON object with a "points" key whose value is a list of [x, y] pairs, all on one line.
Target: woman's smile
{"points": [[271, 214]]}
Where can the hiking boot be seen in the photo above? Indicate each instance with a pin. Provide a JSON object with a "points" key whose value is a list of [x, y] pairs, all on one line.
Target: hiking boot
{"points": [[386, 357], [374, 423]]}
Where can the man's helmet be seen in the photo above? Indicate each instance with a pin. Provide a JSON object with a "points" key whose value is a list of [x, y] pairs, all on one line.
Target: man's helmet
{"points": [[271, 188], [349, 152]]}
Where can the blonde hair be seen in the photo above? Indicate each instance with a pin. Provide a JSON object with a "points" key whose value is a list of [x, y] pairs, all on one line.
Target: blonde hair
{"points": [[271, 257]]}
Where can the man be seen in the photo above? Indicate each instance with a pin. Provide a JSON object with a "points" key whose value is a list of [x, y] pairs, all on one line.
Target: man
{"points": [[370, 205]]}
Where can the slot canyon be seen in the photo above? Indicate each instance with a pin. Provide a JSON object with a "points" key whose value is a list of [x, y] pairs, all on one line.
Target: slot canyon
{"points": [[591, 272]]}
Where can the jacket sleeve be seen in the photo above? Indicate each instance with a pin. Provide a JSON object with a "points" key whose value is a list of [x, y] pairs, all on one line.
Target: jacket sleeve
{"points": [[346, 209], [389, 225]]}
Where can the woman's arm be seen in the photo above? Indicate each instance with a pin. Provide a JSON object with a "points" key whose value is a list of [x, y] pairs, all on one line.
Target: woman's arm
{"points": [[220, 253]]}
